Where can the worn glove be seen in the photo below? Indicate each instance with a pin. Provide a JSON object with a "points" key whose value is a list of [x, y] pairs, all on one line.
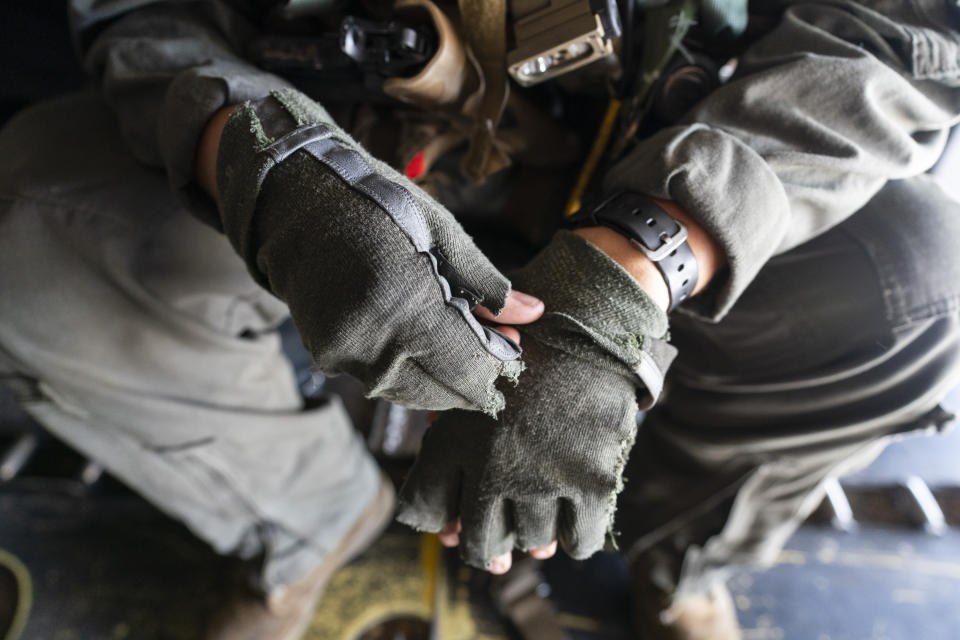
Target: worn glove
{"points": [[380, 279], [550, 467]]}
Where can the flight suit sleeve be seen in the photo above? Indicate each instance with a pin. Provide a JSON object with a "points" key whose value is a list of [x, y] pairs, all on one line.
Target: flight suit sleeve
{"points": [[824, 109], [165, 68]]}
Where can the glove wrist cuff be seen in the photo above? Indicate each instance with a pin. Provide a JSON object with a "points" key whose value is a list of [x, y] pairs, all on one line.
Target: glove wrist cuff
{"points": [[596, 308], [575, 278]]}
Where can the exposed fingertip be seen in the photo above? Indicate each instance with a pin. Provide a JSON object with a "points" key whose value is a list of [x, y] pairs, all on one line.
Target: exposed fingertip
{"points": [[521, 308], [449, 539], [483, 313], [525, 299], [501, 564], [453, 526], [510, 332], [542, 553]]}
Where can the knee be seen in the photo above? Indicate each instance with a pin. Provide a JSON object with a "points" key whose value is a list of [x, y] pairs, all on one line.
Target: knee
{"points": [[911, 229]]}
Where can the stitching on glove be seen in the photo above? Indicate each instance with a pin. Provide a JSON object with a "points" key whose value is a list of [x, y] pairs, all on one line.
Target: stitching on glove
{"points": [[318, 140]]}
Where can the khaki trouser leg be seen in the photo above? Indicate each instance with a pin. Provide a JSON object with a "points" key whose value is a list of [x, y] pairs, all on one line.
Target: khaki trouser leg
{"points": [[155, 352]]}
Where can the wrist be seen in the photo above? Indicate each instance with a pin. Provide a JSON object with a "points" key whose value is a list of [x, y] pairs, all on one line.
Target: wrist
{"points": [[706, 250], [621, 251], [205, 163]]}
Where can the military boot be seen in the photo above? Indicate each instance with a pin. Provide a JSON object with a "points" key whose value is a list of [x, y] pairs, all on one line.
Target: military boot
{"points": [[662, 615], [287, 613]]}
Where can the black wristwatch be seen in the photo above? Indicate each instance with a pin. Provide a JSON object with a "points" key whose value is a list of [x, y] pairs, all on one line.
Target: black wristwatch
{"points": [[651, 230]]}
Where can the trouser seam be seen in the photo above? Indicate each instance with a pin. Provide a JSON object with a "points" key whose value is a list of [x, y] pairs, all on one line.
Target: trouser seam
{"points": [[890, 290], [941, 308]]}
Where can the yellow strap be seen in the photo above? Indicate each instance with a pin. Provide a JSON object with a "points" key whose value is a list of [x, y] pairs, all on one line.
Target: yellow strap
{"points": [[430, 551], [593, 159], [664, 30]]}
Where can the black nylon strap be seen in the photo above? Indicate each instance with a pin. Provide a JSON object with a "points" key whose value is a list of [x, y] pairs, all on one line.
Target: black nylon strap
{"points": [[651, 230]]}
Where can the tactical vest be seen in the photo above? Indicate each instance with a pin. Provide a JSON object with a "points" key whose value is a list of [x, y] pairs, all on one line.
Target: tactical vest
{"points": [[503, 108]]}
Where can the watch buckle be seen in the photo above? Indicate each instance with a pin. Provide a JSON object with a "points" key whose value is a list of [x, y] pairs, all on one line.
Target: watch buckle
{"points": [[670, 243]]}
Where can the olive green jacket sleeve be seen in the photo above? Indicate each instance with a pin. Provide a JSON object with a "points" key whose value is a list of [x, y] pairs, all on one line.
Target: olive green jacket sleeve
{"points": [[165, 68], [834, 101]]}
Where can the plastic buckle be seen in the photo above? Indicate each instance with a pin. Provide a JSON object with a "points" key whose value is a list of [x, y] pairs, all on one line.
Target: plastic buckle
{"points": [[669, 243], [387, 48]]}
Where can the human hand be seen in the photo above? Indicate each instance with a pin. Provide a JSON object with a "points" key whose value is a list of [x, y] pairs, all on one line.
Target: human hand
{"points": [[379, 277], [549, 468], [519, 308], [449, 536]]}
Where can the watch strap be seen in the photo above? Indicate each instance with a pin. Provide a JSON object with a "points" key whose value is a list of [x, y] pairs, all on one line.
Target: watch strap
{"points": [[653, 231]]}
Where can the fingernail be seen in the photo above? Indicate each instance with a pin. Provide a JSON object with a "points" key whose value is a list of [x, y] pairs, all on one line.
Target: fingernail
{"points": [[525, 298], [449, 540]]}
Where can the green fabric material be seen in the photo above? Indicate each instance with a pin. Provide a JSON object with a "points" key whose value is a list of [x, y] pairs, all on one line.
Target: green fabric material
{"points": [[550, 467], [365, 301], [446, 232], [593, 304], [832, 102]]}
